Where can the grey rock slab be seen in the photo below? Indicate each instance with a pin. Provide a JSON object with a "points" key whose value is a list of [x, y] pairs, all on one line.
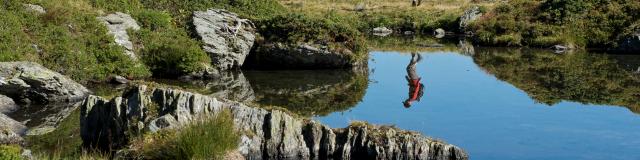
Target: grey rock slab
{"points": [[28, 81], [227, 38], [117, 24]]}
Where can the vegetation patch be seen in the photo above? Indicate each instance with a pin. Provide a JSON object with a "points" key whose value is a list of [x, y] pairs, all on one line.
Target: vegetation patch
{"points": [[543, 23], [205, 138], [10, 152]]}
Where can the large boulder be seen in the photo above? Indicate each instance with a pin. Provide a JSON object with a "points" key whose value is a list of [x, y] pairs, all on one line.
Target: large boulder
{"points": [[118, 23], [265, 134], [469, 16], [227, 38], [31, 82], [302, 56]]}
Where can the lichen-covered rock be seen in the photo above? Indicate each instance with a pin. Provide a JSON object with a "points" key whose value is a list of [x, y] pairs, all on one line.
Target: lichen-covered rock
{"points": [[382, 31], [117, 24], [227, 38], [302, 56], [469, 16], [7, 105], [31, 82], [35, 8], [265, 134], [439, 33], [11, 131]]}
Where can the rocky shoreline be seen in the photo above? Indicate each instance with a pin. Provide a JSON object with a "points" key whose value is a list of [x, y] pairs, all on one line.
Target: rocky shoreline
{"points": [[274, 134]]}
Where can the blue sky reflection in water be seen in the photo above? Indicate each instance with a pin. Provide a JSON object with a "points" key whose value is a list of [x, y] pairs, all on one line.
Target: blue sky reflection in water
{"points": [[491, 119]]}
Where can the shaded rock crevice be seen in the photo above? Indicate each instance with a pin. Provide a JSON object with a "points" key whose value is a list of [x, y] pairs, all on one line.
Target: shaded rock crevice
{"points": [[265, 134]]}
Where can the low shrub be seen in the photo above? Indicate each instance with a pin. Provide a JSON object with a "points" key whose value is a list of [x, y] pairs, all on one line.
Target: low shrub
{"points": [[10, 152], [542, 23], [170, 52], [205, 138]]}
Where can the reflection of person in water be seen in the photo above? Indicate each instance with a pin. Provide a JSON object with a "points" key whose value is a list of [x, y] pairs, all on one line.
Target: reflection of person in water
{"points": [[415, 87]]}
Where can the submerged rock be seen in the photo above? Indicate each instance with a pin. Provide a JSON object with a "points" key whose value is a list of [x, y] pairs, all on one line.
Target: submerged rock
{"points": [[227, 38], [118, 23], [469, 16], [302, 56], [107, 124], [31, 82]]}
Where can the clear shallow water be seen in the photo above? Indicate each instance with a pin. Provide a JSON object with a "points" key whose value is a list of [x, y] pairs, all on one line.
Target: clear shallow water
{"points": [[466, 105]]}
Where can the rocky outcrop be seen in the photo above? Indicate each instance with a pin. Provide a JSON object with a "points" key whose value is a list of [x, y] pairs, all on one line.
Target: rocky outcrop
{"points": [[266, 134], [118, 23], [469, 16], [227, 38], [31, 82], [301, 56]]}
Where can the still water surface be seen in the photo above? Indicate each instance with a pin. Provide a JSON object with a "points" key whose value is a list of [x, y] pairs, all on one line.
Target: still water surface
{"points": [[466, 105], [496, 104]]}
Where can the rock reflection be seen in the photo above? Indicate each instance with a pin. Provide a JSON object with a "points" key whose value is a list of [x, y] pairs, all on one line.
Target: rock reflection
{"points": [[307, 93], [310, 93], [550, 78]]}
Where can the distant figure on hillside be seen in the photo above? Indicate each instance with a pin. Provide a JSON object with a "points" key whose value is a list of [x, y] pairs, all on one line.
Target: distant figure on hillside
{"points": [[416, 88], [416, 2]]}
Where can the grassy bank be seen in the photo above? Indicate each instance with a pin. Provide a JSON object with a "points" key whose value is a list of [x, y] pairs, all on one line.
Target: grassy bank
{"points": [[69, 39], [575, 23], [398, 15], [206, 138]]}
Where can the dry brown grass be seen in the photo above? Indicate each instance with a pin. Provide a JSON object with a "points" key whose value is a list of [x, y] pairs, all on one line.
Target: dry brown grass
{"points": [[321, 6]]}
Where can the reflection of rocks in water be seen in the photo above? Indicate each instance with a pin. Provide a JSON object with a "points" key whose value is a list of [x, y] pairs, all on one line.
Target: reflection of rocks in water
{"points": [[309, 93], [466, 48], [550, 78], [628, 62], [231, 85], [41, 119]]}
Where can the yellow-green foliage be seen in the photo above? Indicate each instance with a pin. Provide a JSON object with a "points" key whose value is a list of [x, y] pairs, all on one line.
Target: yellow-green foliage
{"points": [[542, 23], [67, 38], [205, 138], [10, 152]]}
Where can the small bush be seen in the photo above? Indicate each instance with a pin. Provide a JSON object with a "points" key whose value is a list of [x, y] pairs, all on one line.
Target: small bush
{"points": [[153, 19], [10, 152], [171, 52]]}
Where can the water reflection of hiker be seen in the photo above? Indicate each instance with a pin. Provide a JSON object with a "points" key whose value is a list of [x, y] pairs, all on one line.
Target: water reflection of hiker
{"points": [[415, 87]]}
